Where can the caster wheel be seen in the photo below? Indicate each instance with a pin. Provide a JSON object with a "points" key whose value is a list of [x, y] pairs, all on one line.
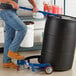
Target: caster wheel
{"points": [[39, 60], [28, 68], [18, 68], [48, 69]]}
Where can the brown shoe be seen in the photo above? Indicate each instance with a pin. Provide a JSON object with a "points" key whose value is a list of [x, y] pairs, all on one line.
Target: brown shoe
{"points": [[9, 65], [15, 55]]}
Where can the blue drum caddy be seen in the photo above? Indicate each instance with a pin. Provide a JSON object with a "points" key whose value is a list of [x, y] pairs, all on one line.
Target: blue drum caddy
{"points": [[59, 41]]}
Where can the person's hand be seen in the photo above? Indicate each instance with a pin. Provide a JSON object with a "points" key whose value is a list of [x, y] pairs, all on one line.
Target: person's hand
{"points": [[35, 9], [14, 5]]}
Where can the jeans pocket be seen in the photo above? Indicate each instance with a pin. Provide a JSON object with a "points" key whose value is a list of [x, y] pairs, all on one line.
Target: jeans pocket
{"points": [[2, 14]]}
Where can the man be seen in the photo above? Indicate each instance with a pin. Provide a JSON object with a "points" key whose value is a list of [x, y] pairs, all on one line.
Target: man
{"points": [[13, 23]]}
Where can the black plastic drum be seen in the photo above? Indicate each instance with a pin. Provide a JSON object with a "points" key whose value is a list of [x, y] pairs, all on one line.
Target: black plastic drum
{"points": [[59, 42]]}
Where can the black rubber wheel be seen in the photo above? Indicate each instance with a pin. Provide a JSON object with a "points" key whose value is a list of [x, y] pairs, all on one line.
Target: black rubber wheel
{"points": [[48, 69]]}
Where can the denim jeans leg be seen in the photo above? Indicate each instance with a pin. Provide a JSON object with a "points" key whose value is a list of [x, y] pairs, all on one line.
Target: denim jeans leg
{"points": [[9, 36], [12, 41], [17, 24]]}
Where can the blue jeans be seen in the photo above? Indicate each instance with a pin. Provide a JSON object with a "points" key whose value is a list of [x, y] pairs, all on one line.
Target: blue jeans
{"points": [[12, 39]]}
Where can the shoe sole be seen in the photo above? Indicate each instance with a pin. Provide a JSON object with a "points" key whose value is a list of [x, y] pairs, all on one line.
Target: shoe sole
{"points": [[9, 67]]}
